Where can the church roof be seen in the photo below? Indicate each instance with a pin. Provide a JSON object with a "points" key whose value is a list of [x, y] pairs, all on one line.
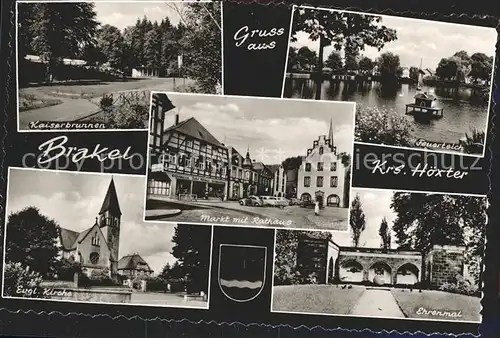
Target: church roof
{"points": [[111, 200], [195, 129], [133, 262], [68, 238]]}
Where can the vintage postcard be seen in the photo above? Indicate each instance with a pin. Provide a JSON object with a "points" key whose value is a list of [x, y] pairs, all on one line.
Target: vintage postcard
{"points": [[94, 70], [407, 255], [250, 161], [417, 83], [80, 237]]}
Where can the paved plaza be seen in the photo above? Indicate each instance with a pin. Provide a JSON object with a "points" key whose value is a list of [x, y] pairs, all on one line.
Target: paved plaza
{"points": [[231, 212]]}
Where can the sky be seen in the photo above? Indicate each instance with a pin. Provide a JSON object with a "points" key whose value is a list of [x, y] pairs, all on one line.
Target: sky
{"points": [[423, 39], [73, 200], [376, 205], [124, 14], [273, 129]]}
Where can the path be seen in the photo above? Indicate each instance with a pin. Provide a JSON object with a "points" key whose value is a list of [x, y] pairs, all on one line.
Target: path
{"points": [[377, 303], [73, 107]]}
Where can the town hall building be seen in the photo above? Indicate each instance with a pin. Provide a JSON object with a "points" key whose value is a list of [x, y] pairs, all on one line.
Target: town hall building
{"points": [[322, 175]]}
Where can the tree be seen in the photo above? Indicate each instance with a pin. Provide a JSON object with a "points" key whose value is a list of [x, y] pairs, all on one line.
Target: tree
{"points": [[414, 73], [61, 30], [153, 47], [385, 234], [192, 250], [351, 58], [32, 241], [366, 65], [110, 45], [340, 29], [425, 220], [165, 272], [389, 66], [201, 45], [447, 68], [481, 66], [291, 163], [356, 220], [306, 59], [292, 59], [334, 61]]}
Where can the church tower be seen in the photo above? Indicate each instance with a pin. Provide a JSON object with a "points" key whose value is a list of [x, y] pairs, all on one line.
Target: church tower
{"points": [[109, 222], [330, 138]]}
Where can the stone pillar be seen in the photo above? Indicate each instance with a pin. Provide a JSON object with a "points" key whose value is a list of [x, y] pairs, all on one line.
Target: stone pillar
{"points": [[173, 187], [143, 285]]}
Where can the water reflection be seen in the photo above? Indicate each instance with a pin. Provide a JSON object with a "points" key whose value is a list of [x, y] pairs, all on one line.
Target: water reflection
{"points": [[462, 110]]}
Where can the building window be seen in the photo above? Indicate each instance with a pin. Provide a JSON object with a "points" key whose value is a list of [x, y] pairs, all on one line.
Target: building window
{"points": [[189, 143], [319, 181], [333, 181], [333, 166], [203, 147], [321, 150], [96, 240], [308, 166], [307, 181], [320, 166]]}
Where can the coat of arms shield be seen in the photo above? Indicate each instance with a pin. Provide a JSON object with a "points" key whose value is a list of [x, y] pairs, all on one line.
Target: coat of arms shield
{"points": [[242, 271]]}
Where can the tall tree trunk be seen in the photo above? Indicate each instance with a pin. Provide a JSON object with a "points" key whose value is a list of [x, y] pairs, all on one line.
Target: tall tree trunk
{"points": [[319, 72]]}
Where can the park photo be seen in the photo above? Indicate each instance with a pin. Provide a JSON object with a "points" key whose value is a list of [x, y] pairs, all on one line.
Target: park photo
{"points": [[406, 255], [92, 65], [80, 237], [249, 161], [417, 84]]}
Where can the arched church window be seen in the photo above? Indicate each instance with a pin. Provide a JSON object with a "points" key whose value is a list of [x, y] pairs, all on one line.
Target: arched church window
{"points": [[320, 150]]}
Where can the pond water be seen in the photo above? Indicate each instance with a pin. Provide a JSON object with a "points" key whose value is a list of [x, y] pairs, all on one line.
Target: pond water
{"points": [[461, 111]]}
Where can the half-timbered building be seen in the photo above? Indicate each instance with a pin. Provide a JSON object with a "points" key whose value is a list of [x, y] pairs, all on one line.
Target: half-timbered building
{"points": [[190, 163]]}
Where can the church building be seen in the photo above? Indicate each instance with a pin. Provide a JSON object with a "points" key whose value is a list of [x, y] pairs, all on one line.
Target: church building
{"points": [[97, 247], [322, 175]]}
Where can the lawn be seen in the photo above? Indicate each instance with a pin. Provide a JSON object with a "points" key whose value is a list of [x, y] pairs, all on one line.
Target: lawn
{"points": [[32, 101], [410, 302], [327, 299]]}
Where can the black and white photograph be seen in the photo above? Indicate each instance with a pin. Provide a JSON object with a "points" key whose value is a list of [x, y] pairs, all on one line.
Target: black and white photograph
{"points": [[80, 237], [249, 161], [416, 83], [407, 255], [92, 65]]}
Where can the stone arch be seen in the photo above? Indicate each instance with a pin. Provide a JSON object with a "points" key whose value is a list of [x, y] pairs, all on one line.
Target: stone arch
{"points": [[407, 274], [333, 200], [351, 270], [380, 273], [305, 197]]}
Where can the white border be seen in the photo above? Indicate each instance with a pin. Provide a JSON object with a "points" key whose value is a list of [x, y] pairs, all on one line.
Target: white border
{"points": [[58, 172], [382, 317], [132, 90], [492, 80], [252, 98], [263, 280]]}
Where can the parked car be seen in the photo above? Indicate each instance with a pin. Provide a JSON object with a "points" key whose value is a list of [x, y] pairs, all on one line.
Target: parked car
{"points": [[307, 204], [269, 201], [282, 202], [253, 201]]}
